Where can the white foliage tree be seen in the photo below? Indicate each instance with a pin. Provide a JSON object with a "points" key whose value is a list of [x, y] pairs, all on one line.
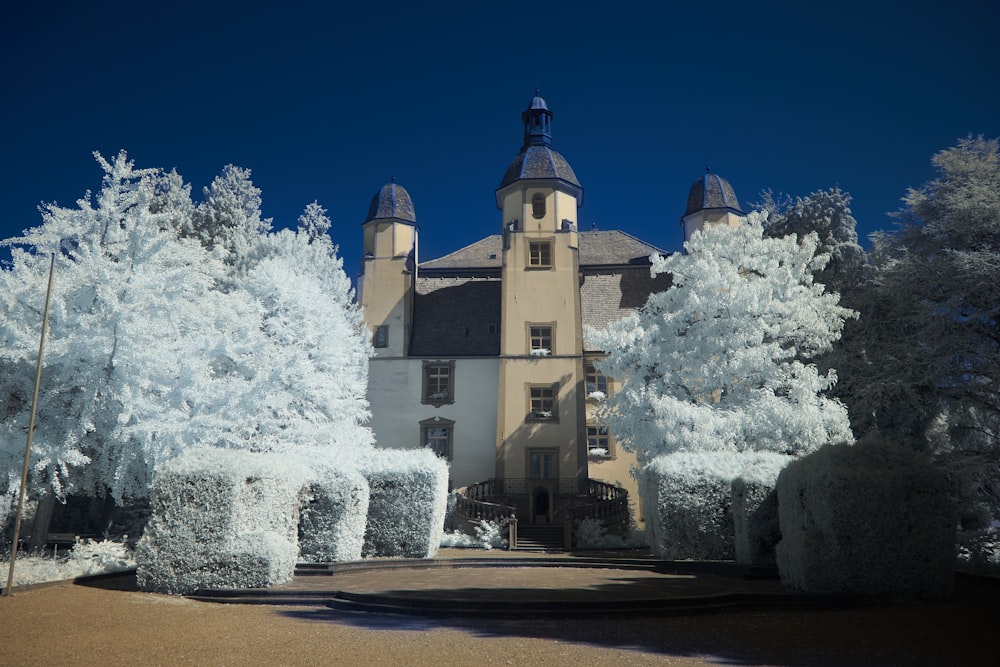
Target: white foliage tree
{"points": [[230, 215], [158, 342], [118, 328], [719, 360], [311, 367], [314, 222]]}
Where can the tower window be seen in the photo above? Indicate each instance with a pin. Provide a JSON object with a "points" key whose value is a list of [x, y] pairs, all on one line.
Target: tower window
{"points": [[380, 337], [542, 403], [540, 254], [540, 340], [439, 383], [538, 205]]}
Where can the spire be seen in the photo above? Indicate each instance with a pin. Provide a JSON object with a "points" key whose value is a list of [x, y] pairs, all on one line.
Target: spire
{"points": [[537, 123]]}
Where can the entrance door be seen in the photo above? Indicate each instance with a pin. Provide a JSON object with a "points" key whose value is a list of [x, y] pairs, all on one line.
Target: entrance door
{"points": [[543, 473]]}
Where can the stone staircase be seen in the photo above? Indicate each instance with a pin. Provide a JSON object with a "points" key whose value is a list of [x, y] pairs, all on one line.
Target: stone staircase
{"points": [[539, 537]]}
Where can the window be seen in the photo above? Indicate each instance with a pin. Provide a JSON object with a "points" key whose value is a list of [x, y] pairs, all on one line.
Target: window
{"points": [[540, 340], [436, 435], [380, 338], [439, 383], [491, 329], [596, 381], [542, 403], [540, 254], [598, 441], [538, 205]]}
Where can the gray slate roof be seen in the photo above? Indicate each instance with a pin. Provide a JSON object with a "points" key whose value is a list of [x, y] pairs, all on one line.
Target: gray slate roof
{"points": [[457, 296], [609, 296], [597, 248], [711, 191], [392, 201], [539, 162], [451, 317]]}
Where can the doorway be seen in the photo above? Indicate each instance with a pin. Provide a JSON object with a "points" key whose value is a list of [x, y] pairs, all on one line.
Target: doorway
{"points": [[543, 473]]}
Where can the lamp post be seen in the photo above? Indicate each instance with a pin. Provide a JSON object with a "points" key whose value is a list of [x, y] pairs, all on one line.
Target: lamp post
{"points": [[31, 429]]}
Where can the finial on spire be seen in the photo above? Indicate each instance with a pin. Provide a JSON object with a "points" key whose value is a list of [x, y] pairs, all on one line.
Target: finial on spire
{"points": [[708, 170], [537, 122], [392, 179]]}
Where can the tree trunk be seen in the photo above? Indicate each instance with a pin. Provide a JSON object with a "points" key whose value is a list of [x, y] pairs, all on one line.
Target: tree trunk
{"points": [[40, 524]]}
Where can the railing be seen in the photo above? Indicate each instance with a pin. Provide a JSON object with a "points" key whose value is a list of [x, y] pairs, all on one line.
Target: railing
{"points": [[611, 503], [521, 486], [469, 504], [602, 500]]}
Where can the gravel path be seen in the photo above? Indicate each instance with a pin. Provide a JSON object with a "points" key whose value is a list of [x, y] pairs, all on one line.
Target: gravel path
{"points": [[96, 624]]}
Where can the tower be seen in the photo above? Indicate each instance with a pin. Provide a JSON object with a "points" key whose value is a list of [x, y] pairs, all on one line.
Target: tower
{"points": [[711, 201], [541, 435], [388, 268]]}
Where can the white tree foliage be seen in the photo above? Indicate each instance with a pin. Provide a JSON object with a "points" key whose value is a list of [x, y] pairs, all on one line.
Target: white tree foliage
{"points": [[718, 360], [230, 216], [158, 342]]}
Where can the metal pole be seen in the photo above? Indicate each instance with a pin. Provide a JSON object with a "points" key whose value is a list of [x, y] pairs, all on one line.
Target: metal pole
{"points": [[31, 429]]}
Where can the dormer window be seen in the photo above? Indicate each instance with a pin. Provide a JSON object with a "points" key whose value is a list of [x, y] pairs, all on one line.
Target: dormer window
{"points": [[538, 205]]}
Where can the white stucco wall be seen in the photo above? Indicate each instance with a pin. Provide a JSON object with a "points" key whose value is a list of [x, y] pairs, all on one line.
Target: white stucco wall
{"points": [[394, 386]]}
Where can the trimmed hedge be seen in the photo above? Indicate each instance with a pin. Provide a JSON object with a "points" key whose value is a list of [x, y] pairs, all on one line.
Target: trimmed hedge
{"points": [[333, 519], [689, 500], [221, 518], [872, 519], [408, 501], [756, 529]]}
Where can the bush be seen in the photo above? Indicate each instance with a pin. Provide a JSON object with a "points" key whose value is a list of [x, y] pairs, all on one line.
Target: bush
{"points": [[222, 518], [592, 534], [409, 497], [871, 519], [333, 519], [489, 535], [689, 500], [756, 529]]}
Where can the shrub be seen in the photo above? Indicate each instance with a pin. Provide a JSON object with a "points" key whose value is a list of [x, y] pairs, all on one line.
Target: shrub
{"points": [[489, 535], [222, 519], [756, 529], [871, 519], [689, 500], [409, 497], [592, 534], [333, 519]]}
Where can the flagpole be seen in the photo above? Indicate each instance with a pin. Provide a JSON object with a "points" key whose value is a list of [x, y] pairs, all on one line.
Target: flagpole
{"points": [[31, 429]]}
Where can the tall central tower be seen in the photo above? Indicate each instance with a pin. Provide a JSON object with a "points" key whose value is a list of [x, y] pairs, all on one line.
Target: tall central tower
{"points": [[541, 435]]}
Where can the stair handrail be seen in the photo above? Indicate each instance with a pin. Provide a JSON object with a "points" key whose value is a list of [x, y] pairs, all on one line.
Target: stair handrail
{"points": [[469, 505]]}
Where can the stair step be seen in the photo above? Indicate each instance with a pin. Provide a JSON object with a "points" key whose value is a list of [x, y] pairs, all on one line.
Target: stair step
{"points": [[539, 538]]}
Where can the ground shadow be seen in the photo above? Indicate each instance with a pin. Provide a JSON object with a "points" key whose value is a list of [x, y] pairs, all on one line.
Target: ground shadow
{"points": [[958, 631]]}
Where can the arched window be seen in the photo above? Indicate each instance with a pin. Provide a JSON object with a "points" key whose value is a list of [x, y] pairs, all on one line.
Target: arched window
{"points": [[538, 205]]}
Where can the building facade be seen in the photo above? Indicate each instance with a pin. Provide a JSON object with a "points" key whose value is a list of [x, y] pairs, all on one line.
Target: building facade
{"points": [[481, 355]]}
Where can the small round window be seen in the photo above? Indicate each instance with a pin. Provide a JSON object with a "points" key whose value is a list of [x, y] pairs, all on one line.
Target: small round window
{"points": [[538, 205]]}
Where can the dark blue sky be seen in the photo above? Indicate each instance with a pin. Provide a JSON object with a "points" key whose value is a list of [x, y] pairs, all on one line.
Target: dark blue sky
{"points": [[329, 103]]}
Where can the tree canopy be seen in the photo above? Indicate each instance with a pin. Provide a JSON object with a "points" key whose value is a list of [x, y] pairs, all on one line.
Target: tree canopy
{"points": [[174, 324], [719, 361]]}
